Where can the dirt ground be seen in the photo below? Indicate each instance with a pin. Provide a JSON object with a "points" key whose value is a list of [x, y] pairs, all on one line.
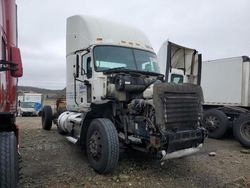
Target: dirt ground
{"points": [[49, 160]]}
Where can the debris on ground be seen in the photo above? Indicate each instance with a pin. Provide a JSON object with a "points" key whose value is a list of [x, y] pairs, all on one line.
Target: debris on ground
{"points": [[245, 151], [212, 154]]}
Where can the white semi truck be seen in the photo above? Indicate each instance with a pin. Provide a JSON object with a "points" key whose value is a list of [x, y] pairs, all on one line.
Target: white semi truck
{"points": [[117, 96], [226, 87]]}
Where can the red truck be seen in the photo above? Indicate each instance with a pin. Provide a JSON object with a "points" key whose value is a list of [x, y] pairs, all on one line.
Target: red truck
{"points": [[10, 70]]}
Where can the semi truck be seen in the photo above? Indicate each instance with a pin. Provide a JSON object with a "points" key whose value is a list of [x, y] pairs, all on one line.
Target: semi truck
{"points": [[10, 70], [30, 104], [117, 97], [226, 88]]}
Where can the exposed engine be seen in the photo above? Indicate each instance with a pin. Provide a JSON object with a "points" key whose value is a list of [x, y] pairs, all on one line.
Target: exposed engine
{"points": [[149, 113], [128, 86]]}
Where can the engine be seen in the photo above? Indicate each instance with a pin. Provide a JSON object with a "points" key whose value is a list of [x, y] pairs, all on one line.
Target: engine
{"points": [[125, 87]]}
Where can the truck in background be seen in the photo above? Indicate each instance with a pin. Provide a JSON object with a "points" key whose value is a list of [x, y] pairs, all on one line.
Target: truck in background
{"points": [[30, 104], [116, 95], [226, 87], [10, 70]]}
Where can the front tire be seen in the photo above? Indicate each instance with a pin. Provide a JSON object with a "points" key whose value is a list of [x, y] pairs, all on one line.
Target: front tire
{"points": [[102, 145], [216, 122], [9, 170], [47, 117], [241, 130]]}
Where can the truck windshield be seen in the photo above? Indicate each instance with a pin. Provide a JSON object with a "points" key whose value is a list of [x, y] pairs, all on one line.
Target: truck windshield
{"points": [[27, 104], [114, 57]]}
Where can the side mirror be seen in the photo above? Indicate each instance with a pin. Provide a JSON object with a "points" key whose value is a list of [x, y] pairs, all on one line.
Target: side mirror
{"points": [[17, 61]]}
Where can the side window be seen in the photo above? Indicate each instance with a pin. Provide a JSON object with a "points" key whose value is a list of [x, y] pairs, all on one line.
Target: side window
{"points": [[176, 78], [86, 67], [83, 64]]}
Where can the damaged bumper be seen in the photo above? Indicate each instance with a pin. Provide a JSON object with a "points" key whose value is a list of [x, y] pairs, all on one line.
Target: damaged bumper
{"points": [[181, 153]]}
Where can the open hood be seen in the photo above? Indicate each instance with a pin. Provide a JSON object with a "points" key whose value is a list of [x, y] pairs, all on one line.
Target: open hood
{"points": [[173, 57]]}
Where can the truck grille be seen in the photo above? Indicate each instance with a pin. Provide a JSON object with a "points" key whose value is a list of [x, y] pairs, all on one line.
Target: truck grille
{"points": [[177, 107], [180, 109]]}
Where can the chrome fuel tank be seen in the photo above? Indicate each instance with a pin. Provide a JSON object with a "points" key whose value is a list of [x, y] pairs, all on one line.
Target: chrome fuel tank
{"points": [[67, 120]]}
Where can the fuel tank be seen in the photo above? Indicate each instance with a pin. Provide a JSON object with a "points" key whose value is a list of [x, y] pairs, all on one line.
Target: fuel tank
{"points": [[67, 120]]}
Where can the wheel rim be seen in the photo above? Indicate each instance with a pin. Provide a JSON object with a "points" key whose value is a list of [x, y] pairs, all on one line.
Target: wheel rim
{"points": [[212, 123], [95, 146], [245, 130]]}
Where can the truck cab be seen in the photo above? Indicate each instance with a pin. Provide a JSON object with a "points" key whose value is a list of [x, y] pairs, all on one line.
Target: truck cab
{"points": [[116, 94], [10, 70]]}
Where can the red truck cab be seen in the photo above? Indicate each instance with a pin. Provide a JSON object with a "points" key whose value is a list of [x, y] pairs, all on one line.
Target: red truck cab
{"points": [[10, 70]]}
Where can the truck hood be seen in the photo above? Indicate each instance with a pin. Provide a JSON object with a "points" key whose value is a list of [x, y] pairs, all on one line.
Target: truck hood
{"points": [[174, 56]]}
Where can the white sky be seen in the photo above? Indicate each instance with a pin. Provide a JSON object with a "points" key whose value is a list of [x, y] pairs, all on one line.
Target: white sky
{"points": [[216, 28]]}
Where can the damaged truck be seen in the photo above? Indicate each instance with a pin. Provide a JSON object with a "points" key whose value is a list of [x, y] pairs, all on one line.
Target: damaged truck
{"points": [[116, 94]]}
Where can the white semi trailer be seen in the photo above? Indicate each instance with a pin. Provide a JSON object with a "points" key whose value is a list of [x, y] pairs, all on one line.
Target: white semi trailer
{"points": [[116, 95], [226, 88]]}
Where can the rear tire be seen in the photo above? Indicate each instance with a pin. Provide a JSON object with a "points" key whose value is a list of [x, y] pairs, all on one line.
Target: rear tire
{"points": [[47, 117], [102, 145], [216, 122], [9, 170], [241, 130]]}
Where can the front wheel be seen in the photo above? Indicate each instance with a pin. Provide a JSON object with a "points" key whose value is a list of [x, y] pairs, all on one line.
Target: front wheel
{"points": [[241, 130], [9, 174], [102, 145]]}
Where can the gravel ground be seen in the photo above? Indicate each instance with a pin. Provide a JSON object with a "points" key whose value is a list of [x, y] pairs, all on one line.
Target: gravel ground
{"points": [[49, 160]]}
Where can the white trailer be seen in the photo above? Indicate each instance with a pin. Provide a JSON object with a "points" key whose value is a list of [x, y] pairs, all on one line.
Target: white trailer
{"points": [[226, 90]]}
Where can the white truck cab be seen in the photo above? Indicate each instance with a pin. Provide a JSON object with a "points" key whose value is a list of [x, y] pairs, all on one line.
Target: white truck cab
{"points": [[116, 94], [92, 45]]}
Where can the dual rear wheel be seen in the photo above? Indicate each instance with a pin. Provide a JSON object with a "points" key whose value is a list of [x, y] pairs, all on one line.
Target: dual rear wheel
{"points": [[217, 124]]}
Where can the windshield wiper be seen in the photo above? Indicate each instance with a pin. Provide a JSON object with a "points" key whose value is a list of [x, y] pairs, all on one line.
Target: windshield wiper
{"points": [[124, 69], [117, 69]]}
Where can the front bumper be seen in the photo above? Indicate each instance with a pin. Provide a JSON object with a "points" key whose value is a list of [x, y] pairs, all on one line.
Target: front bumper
{"points": [[28, 114], [181, 153], [182, 143], [184, 139]]}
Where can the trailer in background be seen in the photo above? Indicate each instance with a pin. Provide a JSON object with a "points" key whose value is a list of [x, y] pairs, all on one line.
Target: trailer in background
{"points": [[30, 104], [226, 88]]}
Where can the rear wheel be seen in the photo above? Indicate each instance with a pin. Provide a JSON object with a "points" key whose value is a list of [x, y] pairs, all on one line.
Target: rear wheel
{"points": [[47, 117], [9, 174], [241, 130], [102, 145], [216, 122]]}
